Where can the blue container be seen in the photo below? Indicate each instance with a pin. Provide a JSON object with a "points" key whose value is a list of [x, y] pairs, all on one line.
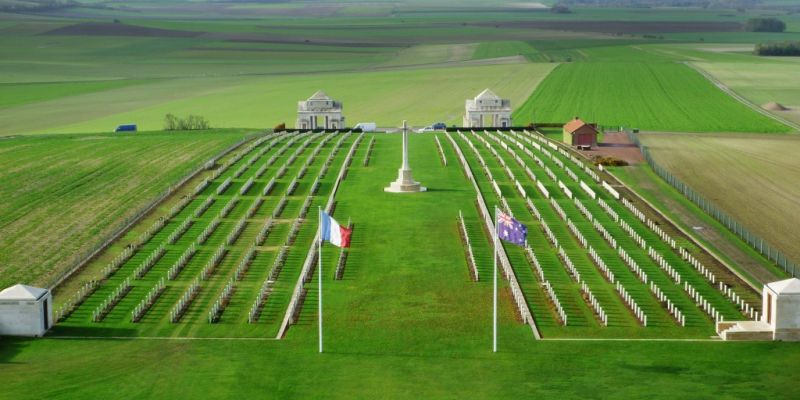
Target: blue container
{"points": [[126, 128]]}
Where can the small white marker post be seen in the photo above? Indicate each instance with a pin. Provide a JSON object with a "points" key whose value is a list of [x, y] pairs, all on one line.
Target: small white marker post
{"points": [[494, 275], [319, 259]]}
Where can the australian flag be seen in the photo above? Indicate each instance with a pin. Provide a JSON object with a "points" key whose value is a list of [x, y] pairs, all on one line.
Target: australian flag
{"points": [[511, 230]]}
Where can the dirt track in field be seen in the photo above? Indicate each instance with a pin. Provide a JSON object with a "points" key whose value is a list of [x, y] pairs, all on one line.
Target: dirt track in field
{"points": [[617, 145], [624, 27], [754, 178], [111, 29]]}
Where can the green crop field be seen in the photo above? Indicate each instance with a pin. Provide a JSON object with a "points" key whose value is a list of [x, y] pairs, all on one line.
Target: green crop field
{"points": [[63, 195], [213, 292], [777, 81], [420, 96], [667, 97]]}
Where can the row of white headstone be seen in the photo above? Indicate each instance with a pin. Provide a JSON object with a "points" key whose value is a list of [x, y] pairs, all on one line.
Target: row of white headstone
{"points": [[149, 262], [213, 263], [575, 231], [149, 299], [664, 265], [744, 306], [229, 206], [710, 276], [224, 185], [111, 300], [368, 153], [293, 231], [670, 306], [179, 231], [184, 301], [470, 255], [244, 264], [237, 231], [215, 313], [86, 290], [633, 265], [601, 264], [628, 299], [202, 208], [551, 294], [262, 235], [594, 303], [440, 149], [569, 264], [181, 262], [704, 304], [209, 230]]}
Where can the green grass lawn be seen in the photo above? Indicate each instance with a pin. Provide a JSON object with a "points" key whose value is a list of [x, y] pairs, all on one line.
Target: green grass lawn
{"points": [[406, 321], [64, 194], [387, 363], [657, 96]]}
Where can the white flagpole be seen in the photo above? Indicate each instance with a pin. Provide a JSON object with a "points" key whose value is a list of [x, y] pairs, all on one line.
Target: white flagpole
{"points": [[319, 258], [494, 274]]}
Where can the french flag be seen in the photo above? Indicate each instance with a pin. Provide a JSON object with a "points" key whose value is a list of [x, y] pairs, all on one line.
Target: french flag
{"points": [[333, 232]]}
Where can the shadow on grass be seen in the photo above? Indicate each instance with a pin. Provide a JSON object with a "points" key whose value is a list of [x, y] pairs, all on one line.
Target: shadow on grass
{"points": [[10, 347], [91, 331]]}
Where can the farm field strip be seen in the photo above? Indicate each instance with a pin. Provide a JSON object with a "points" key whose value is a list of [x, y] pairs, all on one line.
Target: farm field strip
{"points": [[241, 203], [656, 96], [652, 281]]}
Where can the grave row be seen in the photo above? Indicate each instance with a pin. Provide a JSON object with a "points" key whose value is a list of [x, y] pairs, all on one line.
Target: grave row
{"points": [[149, 262], [184, 301], [440, 149], [744, 306], [222, 301], [631, 303], [111, 300], [670, 306], [633, 265], [182, 261], [473, 268], [368, 153], [148, 301], [594, 303], [664, 265], [701, 302], [551, 294], [86, 290]]}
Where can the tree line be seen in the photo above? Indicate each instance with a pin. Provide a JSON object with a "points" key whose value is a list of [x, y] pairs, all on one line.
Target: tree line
{"points": [[764, 25], [190, 123], [778, 49]]}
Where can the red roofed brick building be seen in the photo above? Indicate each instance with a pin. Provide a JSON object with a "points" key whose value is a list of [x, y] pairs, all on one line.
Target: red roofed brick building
{"points": [[579, 133]]}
